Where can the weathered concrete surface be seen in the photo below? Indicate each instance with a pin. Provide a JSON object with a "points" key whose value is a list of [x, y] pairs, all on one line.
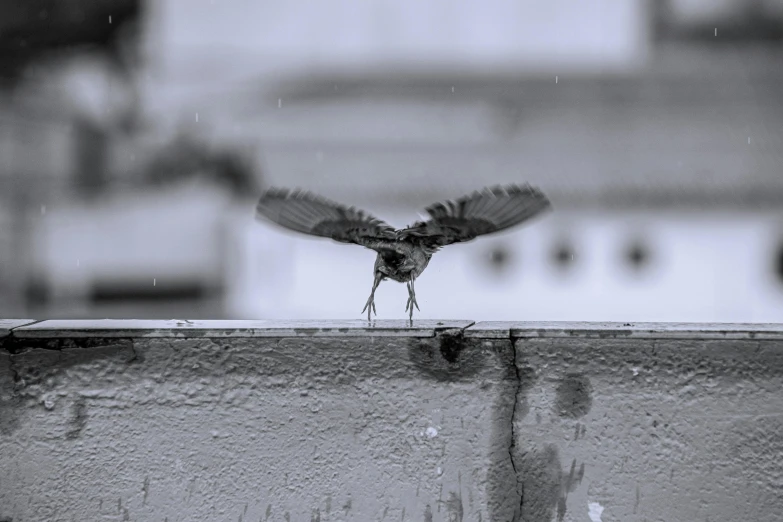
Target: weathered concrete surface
{"points": [[688, 331], [256, 428], [621, 428], [348, 421]]}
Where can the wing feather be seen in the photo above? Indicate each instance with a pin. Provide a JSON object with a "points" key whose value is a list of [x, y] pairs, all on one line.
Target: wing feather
{"points": [[307, 213], [491, 210]]}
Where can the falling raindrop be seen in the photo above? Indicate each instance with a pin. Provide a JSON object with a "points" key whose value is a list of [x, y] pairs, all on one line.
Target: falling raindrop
{"points": [[279, 103], [452, 89], [154, 282], [78, 262], [196, 117], [555, 79], [109, 18], [43, 210], [748, 140], [716, 31]]}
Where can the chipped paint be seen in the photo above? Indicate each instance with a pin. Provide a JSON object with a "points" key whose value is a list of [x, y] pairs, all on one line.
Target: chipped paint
{"points": [[594, 510]]}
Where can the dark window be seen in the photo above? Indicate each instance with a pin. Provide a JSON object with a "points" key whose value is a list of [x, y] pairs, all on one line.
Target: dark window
{"points": [[777, 266], [637, 255], [499, 259], [564, 255]]}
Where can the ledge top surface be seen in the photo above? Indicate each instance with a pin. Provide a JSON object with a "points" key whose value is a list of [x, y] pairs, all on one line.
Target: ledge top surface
{"points": [[178, 328], [600, 330], [6, 325], [182, 328]]}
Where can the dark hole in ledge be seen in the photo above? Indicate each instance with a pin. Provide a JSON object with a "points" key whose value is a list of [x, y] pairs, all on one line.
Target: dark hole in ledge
{"points": [[451, 344], [445, 357]]}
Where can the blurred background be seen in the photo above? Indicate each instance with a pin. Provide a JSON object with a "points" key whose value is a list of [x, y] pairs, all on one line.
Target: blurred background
{"points": [[136, 136]]}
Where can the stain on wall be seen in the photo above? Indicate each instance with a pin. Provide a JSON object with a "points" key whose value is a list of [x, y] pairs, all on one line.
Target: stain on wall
{"points": [[454, 508], [573, 396], [78, 419], [452, 343], [10, 401], [448, 357], [545, 485]]}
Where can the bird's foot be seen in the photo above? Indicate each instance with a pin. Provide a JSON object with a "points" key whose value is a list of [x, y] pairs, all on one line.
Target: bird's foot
{"points": [[370, 306], [411, 300], [409, 307]]}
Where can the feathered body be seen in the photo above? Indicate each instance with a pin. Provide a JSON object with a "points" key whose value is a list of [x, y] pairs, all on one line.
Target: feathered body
{"points": [[403, 263], [404, 254]]}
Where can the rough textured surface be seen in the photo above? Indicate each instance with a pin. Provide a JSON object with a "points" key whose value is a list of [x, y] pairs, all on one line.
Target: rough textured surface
{"points": [[289, 429], [564, 422], [644, 429]]}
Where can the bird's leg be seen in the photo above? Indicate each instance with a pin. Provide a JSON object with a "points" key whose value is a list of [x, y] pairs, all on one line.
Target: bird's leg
{"points": [[411, 300], [370, 305]]}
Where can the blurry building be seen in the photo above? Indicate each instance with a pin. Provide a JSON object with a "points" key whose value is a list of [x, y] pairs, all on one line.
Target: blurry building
{"points": [[653, 126], [104, 210]]}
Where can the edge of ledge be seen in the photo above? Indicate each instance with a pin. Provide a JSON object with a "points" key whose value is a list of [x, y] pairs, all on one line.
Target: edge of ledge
{"points": [[8, 325], [601, 330], [176, 328], [183, 328]]}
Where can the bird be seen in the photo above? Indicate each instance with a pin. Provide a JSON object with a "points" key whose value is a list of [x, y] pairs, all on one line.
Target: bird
{"points": [[403, 254]]}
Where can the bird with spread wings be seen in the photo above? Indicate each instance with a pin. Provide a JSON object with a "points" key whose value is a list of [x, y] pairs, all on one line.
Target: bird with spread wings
{"points": [[403, 254]]}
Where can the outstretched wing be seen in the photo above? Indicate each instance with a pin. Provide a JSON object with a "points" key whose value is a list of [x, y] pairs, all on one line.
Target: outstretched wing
{"points": [[308, 213], [491, 210]]}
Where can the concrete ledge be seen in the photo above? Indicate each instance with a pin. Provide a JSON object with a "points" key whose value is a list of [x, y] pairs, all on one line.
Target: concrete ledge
{"points": [[206, 329], [442, 421], [516, 330], [6, 325]]}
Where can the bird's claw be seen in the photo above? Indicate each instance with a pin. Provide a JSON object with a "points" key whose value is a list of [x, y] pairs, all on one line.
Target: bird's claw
{"points": [[409, 308], [370, 307]]}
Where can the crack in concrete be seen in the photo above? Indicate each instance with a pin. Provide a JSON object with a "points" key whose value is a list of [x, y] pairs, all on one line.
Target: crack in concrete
{"points": [[512, 444], [10, 343], [13, 367], [135, 353]]}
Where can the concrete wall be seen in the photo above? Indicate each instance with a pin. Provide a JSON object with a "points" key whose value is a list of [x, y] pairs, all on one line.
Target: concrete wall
{"points": [[442, 421]]}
